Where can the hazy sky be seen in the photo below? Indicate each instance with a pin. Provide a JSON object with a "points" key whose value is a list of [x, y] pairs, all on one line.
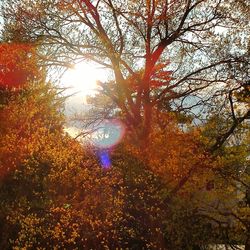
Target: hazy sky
{"points": [[82, 81]]}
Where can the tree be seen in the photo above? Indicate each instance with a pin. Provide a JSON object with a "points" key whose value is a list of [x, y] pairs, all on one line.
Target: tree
{"points": [[17, 65], [28, 121], [135, 40]]}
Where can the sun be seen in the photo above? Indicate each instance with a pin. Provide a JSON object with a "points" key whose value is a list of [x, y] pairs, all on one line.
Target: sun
{"points": [[82, 79]]}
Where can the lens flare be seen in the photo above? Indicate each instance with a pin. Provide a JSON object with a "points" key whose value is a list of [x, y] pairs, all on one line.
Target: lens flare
{"points": [[108, 134], [105, 159]]}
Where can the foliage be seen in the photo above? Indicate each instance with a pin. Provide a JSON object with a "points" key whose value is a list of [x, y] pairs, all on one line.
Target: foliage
{"points": [[17, 64], [172, 185], [56, 193]]}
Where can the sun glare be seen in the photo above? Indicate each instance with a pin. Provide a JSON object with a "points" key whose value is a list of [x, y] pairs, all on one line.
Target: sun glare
{"points": [[82, 79]]}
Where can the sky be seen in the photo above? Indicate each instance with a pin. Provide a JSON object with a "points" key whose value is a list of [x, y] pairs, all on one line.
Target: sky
{"points": [[80, 82]]}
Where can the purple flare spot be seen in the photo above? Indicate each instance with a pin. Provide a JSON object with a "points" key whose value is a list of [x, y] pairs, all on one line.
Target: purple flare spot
{"points": [[105, 159]]}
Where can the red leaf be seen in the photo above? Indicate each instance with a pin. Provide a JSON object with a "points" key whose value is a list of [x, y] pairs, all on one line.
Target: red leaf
{"points": [[17, 64]]}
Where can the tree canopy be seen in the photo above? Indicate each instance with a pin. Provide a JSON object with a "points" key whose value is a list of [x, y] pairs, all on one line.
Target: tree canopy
{"points": [[148, 46]]}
